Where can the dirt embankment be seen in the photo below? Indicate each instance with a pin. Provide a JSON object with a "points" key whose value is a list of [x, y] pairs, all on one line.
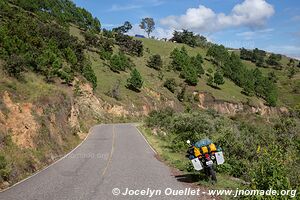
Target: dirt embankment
{"points": [[207, 101], [34, 134], [151, 100], [18, 121]]}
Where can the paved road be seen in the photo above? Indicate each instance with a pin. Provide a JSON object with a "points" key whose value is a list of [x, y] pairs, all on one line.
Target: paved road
{"points": [[113, 156]]}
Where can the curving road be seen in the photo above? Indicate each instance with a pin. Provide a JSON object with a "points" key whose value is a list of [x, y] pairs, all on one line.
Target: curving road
{"points": [[113, 156]]}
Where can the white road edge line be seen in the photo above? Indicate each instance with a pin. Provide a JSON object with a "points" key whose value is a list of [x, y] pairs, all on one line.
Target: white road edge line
{"points": [[36, 173], [146, 141]]}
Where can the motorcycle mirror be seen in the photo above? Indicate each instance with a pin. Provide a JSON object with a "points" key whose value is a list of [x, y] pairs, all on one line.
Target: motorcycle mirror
{"points": [[188, 141]]}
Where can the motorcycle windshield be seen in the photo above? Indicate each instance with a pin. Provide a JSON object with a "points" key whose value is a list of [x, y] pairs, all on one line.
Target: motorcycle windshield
{"points": [[202, 143]]}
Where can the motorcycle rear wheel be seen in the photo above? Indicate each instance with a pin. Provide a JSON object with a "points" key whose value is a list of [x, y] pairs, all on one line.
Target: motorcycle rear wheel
{"points": [[212, 174]]}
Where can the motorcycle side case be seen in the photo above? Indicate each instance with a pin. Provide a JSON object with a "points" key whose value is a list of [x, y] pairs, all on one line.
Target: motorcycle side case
{"points": [[220, 158], [197, 164]]}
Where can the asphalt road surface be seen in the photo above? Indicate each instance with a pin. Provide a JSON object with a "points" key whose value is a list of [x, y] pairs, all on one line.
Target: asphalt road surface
{"points": [[113, 156]]}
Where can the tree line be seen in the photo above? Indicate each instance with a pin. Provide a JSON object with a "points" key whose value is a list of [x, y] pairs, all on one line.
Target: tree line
{"points": [[30, 43], [253, 81], [63, 12], [260, 58]]}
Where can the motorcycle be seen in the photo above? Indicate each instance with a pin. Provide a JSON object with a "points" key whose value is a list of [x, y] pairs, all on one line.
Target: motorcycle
{"points": [[205, 160]]}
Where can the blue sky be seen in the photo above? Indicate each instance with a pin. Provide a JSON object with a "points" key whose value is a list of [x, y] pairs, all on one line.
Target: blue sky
{"points": [[273, 25]]}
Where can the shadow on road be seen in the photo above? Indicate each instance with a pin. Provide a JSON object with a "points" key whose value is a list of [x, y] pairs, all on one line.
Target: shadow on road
{"points": [[190, 178]]}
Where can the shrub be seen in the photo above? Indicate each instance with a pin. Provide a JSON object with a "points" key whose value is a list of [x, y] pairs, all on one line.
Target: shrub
{"points": [[190, 75], [91, 39], [274, 60], [196, 62], [218, 78], [180, 59], [170, 84], [15, 66], [4, 168], [129, 45], [89, 74], [155, 62], [160, 118], [120, 62], [70, 56], [265, 156], [269, 170], [135, 81]]}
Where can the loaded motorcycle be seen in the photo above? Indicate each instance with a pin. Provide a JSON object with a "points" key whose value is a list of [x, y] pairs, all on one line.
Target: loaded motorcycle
{"points": [[203, 154]]}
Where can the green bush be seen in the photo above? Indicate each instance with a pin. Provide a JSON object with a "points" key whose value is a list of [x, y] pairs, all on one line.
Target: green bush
{"points": [[269, 171], [129, 45], [89, 74], [15, 66], [160, 118], [120, 62], [135, 82], [70, 56], [190, 75], [4, 169], [155, 62], [170, 84], [218, 78], [265, 156]]}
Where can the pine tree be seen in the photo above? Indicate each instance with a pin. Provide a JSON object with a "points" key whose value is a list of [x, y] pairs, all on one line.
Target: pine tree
{"points": [[196, 62], [135, 81], [218, 78], [190, 75]]}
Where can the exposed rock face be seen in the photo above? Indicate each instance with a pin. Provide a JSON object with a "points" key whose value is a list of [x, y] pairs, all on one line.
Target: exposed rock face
{"points": [[19, 122], [207, 101], [117, 110]]}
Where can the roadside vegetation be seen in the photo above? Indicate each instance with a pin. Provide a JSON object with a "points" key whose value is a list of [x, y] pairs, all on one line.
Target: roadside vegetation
{"points": [[46, 47], [263, 156]]}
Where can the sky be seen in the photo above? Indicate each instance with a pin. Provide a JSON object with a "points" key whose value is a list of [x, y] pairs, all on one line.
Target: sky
{"points": [[272, 25]]}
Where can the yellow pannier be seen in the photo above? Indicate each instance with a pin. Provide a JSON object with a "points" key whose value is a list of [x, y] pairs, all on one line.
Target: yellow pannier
{"points": [[197, 152], [212, 147], [205, 149]]}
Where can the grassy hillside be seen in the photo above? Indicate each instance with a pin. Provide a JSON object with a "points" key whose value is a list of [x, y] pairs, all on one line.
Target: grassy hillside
{"points": [[287, 87], [106, 78], [229, 91], [154, 80]]}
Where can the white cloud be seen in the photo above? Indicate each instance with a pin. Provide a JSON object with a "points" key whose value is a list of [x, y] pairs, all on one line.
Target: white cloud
{"points": [[135, 5], [110, 25], [151, 2], [248, 35], [296, 18], [250, 13], [116, 7]]}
